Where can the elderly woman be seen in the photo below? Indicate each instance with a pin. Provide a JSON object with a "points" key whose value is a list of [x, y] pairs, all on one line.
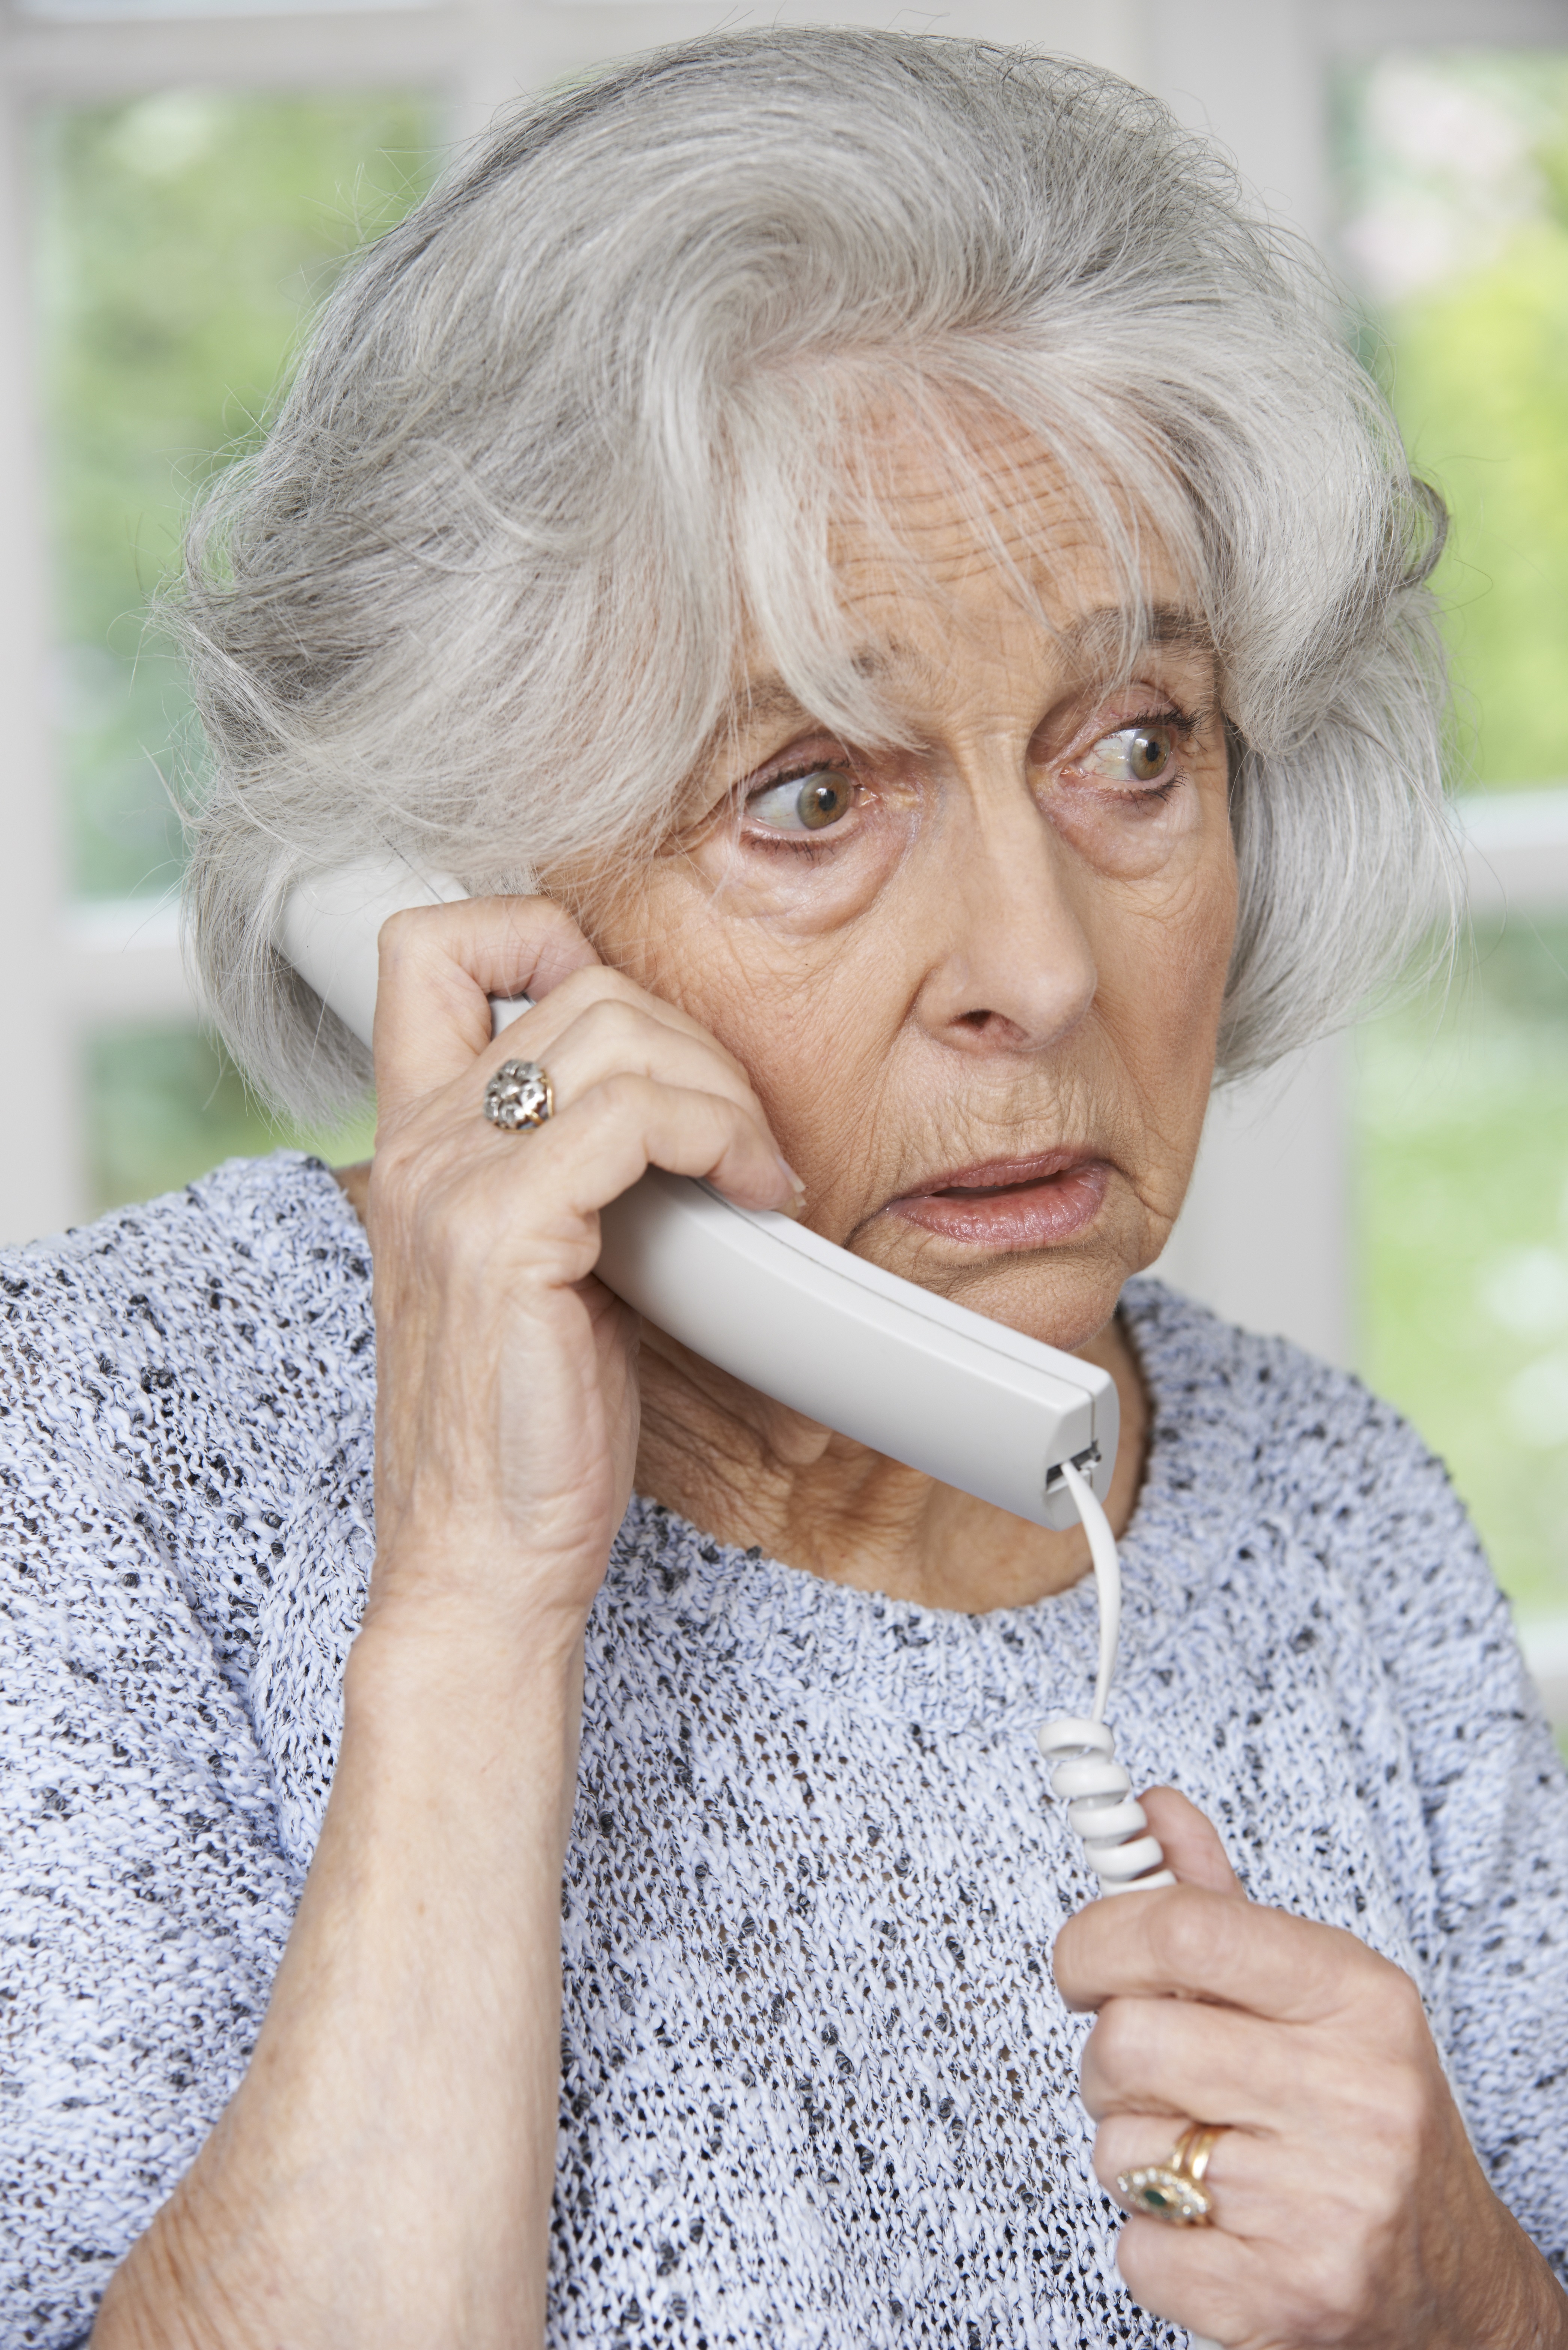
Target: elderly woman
{"points": [[868, 566]]}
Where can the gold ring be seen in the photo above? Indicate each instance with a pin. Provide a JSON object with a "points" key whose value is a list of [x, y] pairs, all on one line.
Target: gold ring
{"points": [[1173, 2190]]}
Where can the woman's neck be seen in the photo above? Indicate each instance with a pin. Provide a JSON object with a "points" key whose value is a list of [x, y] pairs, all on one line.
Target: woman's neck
{"points": [[747, 1471]]}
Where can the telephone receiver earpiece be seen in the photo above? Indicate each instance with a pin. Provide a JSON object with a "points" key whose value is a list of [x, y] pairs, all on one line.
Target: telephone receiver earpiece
{"points": [[944, 1391]]}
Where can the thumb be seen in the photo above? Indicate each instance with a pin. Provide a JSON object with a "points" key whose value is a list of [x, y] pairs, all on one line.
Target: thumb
{"points": [[1193, 1852]]}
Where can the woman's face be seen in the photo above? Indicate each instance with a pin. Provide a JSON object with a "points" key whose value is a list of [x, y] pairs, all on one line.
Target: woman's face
{"points": [[976, 982]]}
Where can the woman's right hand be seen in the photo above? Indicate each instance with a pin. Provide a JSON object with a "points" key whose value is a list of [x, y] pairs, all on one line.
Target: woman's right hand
{"points": [[507, 1414]]}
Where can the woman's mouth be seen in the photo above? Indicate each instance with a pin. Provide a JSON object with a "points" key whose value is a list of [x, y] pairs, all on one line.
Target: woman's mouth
{"points": [[1018, 1203]]}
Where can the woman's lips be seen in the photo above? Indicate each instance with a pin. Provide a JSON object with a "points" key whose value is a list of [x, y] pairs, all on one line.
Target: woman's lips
{"points": [[1010, 1204]]}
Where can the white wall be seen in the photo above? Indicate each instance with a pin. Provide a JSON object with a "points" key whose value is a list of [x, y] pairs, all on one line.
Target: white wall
{"points": [[1265, 1235]]}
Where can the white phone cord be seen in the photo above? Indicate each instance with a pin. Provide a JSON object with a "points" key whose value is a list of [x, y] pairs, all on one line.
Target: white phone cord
{"points": [[1098, 1789], [1086, 1776]]}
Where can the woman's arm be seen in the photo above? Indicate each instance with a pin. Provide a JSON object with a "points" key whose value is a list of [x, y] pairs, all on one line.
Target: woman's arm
{"points": [[383, 2174]]}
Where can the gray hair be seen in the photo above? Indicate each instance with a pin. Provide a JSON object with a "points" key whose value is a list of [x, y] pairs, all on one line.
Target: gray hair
{"points": [[577, 429]]}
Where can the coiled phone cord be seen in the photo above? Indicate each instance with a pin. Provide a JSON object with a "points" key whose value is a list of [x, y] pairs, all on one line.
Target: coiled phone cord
{"points": [[1086, 1776]]}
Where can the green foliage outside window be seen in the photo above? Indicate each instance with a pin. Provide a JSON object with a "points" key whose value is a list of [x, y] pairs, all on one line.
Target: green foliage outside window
{"points": [[165, 1104], [183, 240], [1455, 170], [1462, 1128]]}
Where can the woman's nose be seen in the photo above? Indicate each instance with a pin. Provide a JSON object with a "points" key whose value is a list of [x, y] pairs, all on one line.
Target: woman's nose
{"points": [[1014, 970]]}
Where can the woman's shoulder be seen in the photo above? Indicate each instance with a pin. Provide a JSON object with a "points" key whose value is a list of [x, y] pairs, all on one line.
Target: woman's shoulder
{"points": [[186, 1415], [167, 1375], [241, 1267], [237, 1309], [261, 1212], [1323, 1489], [1262, 1408]]}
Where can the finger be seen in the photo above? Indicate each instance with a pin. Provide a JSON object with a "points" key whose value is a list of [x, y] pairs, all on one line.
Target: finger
{"points": [[1253, 2183], [1239, 2158], [1191, 1845], [439, 965], [1185, 2057], [581, 989], [1261, 2187], [618, 1034], [590, 1154], [1304, 2267], [1185, 1940], [1206, 2278]]}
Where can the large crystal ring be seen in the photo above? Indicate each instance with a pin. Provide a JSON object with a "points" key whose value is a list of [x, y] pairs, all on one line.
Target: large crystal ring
{"points": [[519, 1095], [1173, 2190]]}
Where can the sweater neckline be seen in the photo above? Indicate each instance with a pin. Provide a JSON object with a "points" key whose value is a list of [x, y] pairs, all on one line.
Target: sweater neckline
{"points": [[939, 1665]]}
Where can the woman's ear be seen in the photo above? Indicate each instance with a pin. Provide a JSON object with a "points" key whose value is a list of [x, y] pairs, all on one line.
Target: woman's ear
{"points": [[1193, 1852]]}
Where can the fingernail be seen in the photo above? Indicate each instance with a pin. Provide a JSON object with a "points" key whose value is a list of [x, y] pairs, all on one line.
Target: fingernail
{"points": [[795, 1204]]}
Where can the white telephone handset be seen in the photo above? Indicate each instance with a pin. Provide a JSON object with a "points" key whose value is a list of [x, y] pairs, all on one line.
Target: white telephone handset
{"points": [[967, 1400]]}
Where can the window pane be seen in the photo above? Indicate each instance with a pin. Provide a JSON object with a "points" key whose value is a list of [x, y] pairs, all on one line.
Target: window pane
{"points": [[1456, 176], [1456, 170], [183, 239], [1463, 1128], [165, 1104]]}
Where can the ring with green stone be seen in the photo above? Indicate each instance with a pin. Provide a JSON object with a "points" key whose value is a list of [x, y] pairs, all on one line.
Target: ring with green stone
{"points": [[1173, 2190]]}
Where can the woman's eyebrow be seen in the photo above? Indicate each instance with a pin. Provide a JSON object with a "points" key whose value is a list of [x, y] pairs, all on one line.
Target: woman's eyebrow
{"points": [[1110, 635], [1104, 637], [766, 701]]}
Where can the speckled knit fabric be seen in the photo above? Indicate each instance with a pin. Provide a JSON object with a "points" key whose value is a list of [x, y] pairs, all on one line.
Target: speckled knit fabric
{"points": [[817, 2090]]}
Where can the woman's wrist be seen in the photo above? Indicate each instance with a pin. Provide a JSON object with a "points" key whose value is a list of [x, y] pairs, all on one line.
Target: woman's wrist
{"points": [[467, 1608], [446, 1700], [1510, 2299], [1531, 2311]]}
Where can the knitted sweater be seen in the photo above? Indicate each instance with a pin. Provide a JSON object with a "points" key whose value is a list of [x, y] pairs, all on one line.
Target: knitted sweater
{"points": [[817, 2087]]}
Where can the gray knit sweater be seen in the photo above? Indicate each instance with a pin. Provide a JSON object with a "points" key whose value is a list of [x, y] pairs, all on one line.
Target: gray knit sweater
{"points": [[817, 2087]]}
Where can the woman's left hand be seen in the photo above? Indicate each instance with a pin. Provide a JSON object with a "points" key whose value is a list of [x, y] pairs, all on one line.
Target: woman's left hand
{"points": [[1348, 2205]]}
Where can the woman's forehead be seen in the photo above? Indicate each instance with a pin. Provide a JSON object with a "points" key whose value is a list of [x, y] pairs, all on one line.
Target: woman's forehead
{"points": [[950, 540], [979, 491]]}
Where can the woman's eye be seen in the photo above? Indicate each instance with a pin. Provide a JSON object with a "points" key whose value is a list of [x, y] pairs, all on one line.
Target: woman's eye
{"points": [[803, 802], [1133, 755]]}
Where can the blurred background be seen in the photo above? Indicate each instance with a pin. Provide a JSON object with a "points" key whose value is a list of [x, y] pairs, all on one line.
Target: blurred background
{"points": [[179, 181]]}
